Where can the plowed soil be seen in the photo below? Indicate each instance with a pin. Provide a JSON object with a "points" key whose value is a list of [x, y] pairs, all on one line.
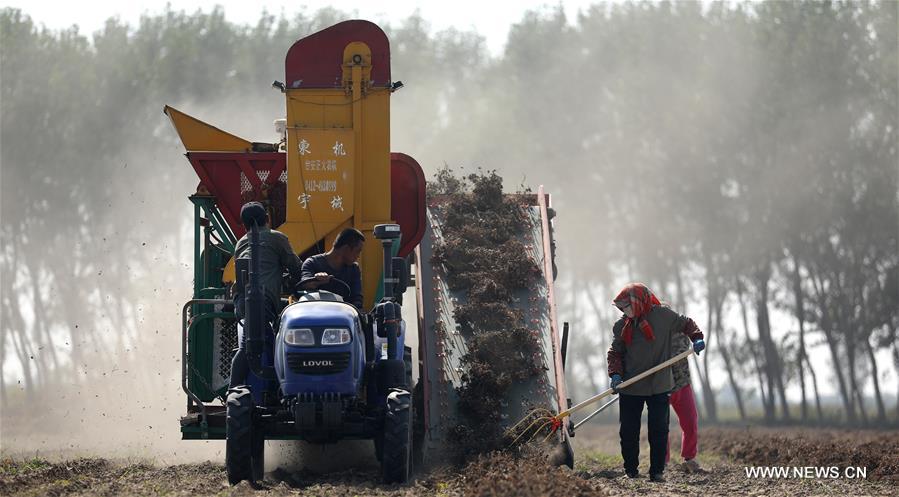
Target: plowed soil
{"points": [[878, 451], [724, 454]]}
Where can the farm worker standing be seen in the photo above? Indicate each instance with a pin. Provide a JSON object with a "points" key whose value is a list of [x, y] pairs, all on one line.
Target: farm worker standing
{"points": [[642, 338], [685, 407]]}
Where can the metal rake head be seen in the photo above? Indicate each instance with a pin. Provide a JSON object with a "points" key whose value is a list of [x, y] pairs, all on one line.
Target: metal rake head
{"points": [[536, 422]]}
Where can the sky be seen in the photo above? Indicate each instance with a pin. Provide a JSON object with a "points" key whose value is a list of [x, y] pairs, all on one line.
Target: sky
{"points": [[490, 19]]}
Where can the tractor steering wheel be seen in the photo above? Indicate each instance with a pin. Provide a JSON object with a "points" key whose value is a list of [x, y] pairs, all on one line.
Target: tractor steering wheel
{"points": [[345, 287]]}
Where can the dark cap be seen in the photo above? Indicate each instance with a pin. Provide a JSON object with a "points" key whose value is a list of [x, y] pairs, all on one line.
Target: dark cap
{"points": [[252, 212]]}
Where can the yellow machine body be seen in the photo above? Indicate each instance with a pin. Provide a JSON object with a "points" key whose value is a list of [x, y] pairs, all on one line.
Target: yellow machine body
{"points": [[338, 162]]}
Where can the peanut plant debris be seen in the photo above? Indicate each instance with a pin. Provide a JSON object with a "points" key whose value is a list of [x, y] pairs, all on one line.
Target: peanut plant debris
{"points": [[598, 471], [485, 264], [877, 451]]}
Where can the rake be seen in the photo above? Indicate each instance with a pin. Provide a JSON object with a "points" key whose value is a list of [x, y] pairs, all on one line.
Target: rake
{"points": [[538, 420]]}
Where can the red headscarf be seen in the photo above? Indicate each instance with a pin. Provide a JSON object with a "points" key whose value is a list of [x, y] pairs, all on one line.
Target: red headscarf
{"points": [[642, 300]]}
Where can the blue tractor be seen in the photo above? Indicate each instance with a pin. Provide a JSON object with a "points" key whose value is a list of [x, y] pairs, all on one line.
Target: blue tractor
{"points": [[323, 372]]}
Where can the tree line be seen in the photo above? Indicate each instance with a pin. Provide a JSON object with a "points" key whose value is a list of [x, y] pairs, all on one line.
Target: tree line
{"points": [[739, 158]]}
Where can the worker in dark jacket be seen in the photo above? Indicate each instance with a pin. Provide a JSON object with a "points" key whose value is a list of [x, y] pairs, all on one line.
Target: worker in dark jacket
{"points": [[339, 263], [642, 338], [275, 257]]}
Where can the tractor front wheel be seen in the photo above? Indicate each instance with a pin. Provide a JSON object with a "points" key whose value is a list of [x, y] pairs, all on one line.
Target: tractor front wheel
{"points": [[396, 448], [244, 447]]}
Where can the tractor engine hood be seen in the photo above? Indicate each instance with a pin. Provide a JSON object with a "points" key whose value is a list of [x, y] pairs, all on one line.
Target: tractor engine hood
{"points": [[306, 314]]}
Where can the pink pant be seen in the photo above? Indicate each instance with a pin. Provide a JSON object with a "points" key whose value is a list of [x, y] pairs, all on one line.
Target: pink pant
{"points": [[685, 407]]}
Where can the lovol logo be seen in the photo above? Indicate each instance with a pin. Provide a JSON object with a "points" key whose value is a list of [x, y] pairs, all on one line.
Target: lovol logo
{"points": [[317, 364]]}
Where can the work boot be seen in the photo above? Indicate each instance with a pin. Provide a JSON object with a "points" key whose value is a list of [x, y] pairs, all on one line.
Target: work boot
{"points": [[632, 474], [691, 466], [656, 478]]}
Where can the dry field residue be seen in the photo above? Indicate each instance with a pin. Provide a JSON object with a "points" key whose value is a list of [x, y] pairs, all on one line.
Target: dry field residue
{"points": [[878, 451]]}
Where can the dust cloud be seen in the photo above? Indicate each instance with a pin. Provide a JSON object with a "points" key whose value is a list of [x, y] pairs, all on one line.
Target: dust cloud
{"points": [[696, 147]]}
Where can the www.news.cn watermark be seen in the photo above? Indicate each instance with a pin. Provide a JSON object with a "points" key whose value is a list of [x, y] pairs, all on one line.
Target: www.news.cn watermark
{"points": [[807, 472]]}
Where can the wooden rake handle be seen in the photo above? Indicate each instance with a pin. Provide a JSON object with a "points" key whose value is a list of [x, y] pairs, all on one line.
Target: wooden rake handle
{"points": [[635, 379]]}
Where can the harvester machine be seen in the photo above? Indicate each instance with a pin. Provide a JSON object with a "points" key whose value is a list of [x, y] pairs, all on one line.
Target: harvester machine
{"points": [[324, 371]]}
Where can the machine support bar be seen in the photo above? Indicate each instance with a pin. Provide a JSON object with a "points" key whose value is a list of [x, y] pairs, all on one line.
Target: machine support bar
{"points": [[356, 99], [197, 268], [221, 227], [561, 393]]}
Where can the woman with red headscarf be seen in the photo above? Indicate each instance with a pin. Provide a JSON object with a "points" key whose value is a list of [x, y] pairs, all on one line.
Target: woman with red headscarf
{"points": [[643, 338]]}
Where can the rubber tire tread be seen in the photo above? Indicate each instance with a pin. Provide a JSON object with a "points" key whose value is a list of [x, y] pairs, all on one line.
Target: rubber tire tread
{"points": [[379, 439], [396, 454], [258, 455], [239, 435]]}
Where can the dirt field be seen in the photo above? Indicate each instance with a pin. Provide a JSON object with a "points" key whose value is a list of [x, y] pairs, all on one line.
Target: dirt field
{"points": [[725, 452]]}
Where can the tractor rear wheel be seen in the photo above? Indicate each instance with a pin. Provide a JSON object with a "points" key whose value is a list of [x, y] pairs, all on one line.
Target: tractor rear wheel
{"points": [[240, 444], [396, 448], [407, 360]]}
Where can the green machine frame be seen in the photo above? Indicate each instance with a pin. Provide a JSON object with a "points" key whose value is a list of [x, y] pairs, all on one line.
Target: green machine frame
{"points": [[206, 322]]}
